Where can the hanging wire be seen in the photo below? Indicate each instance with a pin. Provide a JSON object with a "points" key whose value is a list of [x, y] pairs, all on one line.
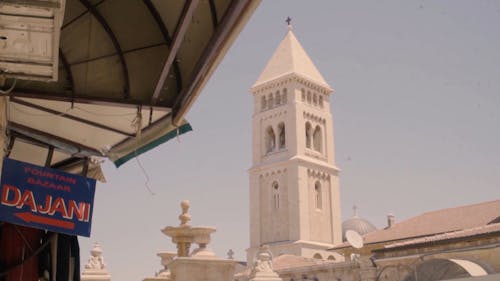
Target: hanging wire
{"points": [[6, 92], [4, 128], [137, 125], [26, 243], [146, 183], [31, 255], [18, 109], [22, 268], [105, 114], [66, 112]]}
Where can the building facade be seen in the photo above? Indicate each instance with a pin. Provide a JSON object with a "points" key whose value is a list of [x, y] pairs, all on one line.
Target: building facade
{"points": [[295, 199], [294, 187]]}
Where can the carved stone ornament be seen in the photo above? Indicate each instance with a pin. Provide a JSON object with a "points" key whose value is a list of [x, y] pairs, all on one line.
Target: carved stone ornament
{"points": [[263, 265], [96, 260]]}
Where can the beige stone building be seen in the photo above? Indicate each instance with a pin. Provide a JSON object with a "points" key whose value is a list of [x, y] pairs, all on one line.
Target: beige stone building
{"points": [[294, 188], [295, 199], [295, 229]]}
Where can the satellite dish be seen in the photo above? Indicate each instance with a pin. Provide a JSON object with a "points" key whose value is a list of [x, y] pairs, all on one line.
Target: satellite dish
{"points": [[354, 239]]}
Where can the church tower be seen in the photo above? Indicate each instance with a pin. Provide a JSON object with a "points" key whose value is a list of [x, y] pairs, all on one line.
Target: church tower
{"points": [[294, 188]]}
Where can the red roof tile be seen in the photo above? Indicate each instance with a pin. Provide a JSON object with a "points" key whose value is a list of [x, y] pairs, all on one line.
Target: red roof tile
{"points": [[436, 222], [292, 261], [465, 233]]}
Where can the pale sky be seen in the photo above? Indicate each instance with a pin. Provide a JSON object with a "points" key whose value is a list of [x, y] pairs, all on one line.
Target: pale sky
{"points": [[416, 113]]}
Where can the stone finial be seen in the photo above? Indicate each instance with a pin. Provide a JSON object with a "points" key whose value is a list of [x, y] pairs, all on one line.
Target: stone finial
{"points": [[289, 22], [230, 254], [391, 220], [184, 235], [96, 260], [184, 217], [265, 255], [95, 269], [263, 265]]}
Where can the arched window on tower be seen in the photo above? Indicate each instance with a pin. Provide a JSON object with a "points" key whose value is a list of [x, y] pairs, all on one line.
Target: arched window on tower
{"points": [[317, 139], [270, 100], [276, 195], [263, 103], [277, 97], [308, 134], [270, 139], [318, 198], [315, 99], [284, 96], [321, 101], [282, 137], [308, 97], [303, 92]]}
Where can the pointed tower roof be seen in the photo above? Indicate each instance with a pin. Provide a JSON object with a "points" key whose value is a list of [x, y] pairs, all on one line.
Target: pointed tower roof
{"points": [[290, 58]]}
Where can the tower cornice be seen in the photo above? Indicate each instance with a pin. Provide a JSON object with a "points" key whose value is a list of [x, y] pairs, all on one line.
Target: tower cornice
{"points": [[312, 163], [289, 78]]}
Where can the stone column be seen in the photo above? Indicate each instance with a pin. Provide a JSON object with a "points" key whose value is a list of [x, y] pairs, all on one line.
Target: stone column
{"points": [[367, 270]]}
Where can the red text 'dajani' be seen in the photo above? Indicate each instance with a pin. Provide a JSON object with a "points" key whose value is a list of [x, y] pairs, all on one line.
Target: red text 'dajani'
{"points": [[13, 197]]}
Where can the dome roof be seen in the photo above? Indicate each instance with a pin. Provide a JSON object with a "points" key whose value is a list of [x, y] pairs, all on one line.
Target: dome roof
{"points": [[357, 224]]}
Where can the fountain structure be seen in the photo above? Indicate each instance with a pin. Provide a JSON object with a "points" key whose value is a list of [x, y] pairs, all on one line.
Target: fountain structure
{"points": [[201, 264]]}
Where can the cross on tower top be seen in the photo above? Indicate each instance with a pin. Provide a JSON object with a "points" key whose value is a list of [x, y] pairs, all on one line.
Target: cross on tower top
{"points": [[288, 20]]}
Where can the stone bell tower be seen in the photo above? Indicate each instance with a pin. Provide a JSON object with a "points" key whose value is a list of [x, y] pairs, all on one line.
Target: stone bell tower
{"points": [[294, 188]]}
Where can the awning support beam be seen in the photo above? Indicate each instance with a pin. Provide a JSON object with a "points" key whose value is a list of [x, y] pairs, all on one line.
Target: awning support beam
{"points": [[67, 68], [130, 103], [115, 54], [168, 40], [71, 117], [76, 149], [178, 38], [213, 13], [67, 163], [228, 20], [97, 15], [12, 140], [50, 154]]}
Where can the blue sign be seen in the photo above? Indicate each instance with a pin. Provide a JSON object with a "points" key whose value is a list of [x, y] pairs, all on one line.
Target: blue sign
{"points": [[45, 198]]}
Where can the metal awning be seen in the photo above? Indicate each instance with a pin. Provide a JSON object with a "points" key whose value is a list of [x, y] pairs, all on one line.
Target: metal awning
{"points": [[129, 70]]}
